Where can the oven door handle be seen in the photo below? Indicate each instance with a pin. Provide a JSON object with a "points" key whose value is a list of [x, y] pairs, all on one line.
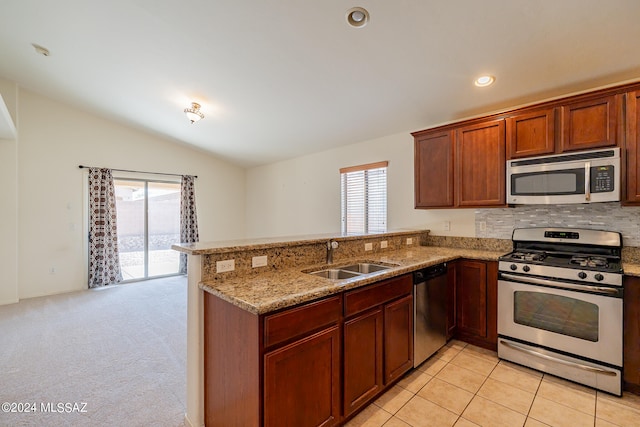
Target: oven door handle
{"points": [[555, 359], [561, 285]]}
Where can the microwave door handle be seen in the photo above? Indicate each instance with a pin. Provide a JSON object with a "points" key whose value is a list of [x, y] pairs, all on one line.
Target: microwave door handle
{"points": [[587, 181]]}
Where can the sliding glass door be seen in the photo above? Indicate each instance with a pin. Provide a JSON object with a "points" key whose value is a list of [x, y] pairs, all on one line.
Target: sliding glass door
{"points": [[148, 224]]}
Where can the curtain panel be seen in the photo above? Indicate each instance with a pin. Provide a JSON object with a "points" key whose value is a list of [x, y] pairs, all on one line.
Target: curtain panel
{"points": [[104, 261], [188, 216]]}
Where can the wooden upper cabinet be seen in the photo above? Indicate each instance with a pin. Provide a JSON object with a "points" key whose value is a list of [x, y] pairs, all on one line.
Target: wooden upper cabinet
{"points": [[531, 134], [433, 172], [589, 124], [631, 152], [480, 164]]}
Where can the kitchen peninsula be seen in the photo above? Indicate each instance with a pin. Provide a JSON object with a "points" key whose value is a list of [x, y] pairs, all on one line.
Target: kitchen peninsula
{"points": [[244, 325]]}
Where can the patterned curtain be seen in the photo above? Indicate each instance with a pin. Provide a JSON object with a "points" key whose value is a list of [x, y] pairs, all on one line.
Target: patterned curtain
{"points": [[104, 261], [188, 216]]}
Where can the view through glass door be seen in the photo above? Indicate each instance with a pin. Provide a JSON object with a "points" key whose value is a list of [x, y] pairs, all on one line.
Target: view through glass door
{"points": [[148, 224]]}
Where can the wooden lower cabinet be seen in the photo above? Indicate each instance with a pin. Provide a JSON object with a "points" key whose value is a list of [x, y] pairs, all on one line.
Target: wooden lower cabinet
{"points": [[398, 338], [451, 300], [632, 334], [302, 382], [378, 339], [477, 302], [316, 364], [362, 359]]}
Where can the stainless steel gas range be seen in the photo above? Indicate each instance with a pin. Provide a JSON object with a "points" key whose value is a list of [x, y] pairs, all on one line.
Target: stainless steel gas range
{"points": [[560, 304]]}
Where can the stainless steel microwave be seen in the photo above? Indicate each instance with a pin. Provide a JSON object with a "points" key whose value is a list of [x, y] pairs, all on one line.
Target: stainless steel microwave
{"points": [[581, 177]]}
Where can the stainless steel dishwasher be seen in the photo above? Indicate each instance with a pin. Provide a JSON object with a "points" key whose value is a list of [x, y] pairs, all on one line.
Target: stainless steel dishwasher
{"points": [[430, 311]]}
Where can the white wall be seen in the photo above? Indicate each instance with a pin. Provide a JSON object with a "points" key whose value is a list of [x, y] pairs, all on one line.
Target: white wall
{"points": [[302, 195], [8, 204], [53, 139]]}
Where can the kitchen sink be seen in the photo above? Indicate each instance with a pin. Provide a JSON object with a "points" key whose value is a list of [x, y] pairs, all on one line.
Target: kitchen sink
{"points": [[349, 271], [335, 274], [365, 267]]}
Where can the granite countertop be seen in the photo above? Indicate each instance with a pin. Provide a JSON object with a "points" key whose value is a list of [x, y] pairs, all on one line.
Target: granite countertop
{"points": [[270, 291], [631, 269]]}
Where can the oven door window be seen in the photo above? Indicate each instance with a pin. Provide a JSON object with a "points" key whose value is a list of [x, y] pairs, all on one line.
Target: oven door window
{"points": [[562, 315], [548, 183]]}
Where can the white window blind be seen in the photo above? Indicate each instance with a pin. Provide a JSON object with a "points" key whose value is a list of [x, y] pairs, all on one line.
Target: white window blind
{"points": [[364, 198]]}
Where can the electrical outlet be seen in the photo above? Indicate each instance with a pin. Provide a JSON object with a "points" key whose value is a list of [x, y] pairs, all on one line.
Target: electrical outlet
{"points": [[259, 261], [447, 225], [368, 246], [383, 244], [226, 265], [52, 270], [409, 241], [483, 226]]}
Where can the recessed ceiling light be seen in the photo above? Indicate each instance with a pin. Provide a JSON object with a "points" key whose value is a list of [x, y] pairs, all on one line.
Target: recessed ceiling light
{"points": [[41, 49], [485, 80], [357, 17]]}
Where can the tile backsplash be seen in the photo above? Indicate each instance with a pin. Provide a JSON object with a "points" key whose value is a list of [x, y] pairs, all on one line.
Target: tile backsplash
{"points": [[499, 223]]}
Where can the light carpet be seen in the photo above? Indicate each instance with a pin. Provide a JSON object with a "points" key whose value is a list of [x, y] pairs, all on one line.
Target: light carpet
{"points": [[111, 357]]}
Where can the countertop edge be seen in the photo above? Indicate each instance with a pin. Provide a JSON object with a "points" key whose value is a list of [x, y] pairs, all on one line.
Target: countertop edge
{"points": [[201, 248], [326, 287]]}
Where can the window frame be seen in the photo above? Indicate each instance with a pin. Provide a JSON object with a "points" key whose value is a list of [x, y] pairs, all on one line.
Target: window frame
{"points": [[367, 195]]}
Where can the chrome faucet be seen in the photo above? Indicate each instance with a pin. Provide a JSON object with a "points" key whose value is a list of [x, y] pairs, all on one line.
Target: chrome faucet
{"points": [[331, 245]]}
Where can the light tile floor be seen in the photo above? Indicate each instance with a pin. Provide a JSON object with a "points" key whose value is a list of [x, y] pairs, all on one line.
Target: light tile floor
{"points": [[465, 386]]}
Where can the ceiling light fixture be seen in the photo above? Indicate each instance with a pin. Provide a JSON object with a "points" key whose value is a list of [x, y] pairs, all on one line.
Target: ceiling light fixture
{"points": [[485, 80], [357, 17], [194, 114], [41, 49]]}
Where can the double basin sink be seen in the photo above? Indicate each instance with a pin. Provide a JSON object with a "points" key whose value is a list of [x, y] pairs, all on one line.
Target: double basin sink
{"points": [[349, 271]]}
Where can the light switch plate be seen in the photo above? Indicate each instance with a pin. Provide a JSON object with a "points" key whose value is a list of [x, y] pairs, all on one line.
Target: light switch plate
{"points": [[259, 261], [368, 246], [447, 226], [226, 265]]}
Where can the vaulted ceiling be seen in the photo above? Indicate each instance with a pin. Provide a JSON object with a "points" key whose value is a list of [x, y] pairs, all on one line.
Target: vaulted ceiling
{"points": [[282, 78]]}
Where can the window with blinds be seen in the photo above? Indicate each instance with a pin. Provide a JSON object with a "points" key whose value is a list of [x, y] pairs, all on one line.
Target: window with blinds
{"points": [[364, 198]]}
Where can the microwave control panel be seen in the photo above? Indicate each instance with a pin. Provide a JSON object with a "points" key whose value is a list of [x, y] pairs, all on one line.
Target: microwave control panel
{"points": [[602, 179]]}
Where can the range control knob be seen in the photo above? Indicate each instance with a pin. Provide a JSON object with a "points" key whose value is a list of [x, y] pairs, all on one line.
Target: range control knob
{"points": [[513, 267], [599, 277], [582, 275], [526, 268]]}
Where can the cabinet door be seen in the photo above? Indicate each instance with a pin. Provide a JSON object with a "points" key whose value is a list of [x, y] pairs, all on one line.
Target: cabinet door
{"points": [[481, 162], [492, 306], [471, 288], [433, 170], [589, 124], [632, 153], [451, 300], [362, 359], [398, 338], [632, 333], [302, 382], [531, 134]]}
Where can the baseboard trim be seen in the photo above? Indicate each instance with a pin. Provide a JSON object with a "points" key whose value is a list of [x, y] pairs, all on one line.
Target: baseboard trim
{"points": [[188, 423], [9, 301]]}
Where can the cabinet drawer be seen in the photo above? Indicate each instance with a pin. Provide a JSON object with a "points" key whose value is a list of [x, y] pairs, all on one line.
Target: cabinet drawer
{"points": [[374, 295], [298, 321]]}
